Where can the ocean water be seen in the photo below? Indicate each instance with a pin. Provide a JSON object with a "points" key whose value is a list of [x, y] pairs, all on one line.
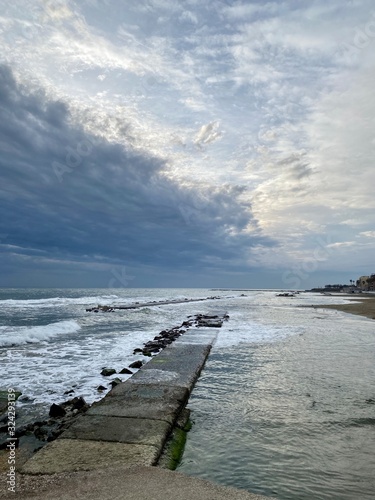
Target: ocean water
{"points": [[289, 411], [285, 405]]}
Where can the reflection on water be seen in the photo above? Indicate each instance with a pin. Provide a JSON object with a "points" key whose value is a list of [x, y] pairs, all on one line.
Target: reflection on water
{"points": [[294, 419]]}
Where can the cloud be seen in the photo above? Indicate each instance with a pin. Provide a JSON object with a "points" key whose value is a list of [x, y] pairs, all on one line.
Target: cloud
{"points": [[127, 105], [368, 234], [105, 202], [208, 133]]}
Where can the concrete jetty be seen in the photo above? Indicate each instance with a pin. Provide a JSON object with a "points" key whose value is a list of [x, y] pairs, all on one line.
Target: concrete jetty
{"points": [[111, 451], [130, 425]]}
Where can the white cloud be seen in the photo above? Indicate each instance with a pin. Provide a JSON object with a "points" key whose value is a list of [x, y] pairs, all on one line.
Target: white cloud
{"points": [[208, 133]]}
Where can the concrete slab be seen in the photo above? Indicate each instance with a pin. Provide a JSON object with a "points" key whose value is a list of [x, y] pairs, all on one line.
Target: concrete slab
{"points": [[138, 483], [67, 455], [198, 336], [121, 430], [184, 360], [138, 400]]}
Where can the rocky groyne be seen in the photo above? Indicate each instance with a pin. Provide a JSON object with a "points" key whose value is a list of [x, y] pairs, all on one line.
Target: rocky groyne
{"points": [[138, 305]]}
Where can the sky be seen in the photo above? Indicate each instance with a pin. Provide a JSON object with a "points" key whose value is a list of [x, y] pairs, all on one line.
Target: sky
{"points": [[164, 143]]}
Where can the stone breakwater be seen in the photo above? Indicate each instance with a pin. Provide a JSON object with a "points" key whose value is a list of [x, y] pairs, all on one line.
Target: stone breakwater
{"points": [[130, 426], [166, 337], [137, 305]]}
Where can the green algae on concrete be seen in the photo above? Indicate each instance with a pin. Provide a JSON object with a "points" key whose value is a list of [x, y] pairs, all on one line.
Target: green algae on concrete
{"points": [[175, 448], [175, 445]]}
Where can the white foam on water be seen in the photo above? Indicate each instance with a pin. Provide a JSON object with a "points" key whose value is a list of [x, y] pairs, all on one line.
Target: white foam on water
{"points": [[18, 335], [61, 301]]}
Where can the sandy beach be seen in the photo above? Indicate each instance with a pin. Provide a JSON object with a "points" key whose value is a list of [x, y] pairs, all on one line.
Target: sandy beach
{"points": [[364, 306]]}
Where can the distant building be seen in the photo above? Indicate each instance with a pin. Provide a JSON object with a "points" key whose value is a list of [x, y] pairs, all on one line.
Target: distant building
{"points": [[366, 283], [362, 283]]}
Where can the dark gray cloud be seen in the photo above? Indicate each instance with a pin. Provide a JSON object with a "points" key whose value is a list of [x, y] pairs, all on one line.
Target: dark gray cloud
{"points": [[74, 201]]}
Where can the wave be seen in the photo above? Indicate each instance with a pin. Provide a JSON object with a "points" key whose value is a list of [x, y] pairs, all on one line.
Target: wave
{"points": [[59, 301], [18, 335]]}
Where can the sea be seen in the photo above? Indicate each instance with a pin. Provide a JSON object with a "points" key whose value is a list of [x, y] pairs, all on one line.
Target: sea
{"points": [[284, 407]]}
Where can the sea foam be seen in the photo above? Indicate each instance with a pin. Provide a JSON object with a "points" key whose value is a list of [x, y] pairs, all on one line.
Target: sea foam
{"points": [[18, 335]]}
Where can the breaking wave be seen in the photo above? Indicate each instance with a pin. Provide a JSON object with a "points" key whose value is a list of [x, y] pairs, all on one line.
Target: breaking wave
{"points": [[18, 335]]}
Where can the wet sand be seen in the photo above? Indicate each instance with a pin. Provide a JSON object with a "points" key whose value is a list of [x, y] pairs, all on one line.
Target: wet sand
{"points": [[363, 306]]}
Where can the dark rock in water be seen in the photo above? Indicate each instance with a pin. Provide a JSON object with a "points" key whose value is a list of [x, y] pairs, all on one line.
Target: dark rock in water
{"points": [[116, 381], [101, 388], [136, 364], [106, 372], [25, 429], [57, 411], [125, 370], [69, 392], [210, 323], [136, 351], [42, 433], [76, 403]]}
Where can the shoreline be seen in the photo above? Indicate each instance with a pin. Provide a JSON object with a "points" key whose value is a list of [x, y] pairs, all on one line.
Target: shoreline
{"points": [[361, 306]]}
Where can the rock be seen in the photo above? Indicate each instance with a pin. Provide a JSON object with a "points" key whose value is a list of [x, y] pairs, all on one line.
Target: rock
{"points": [[147, 353], [136, 364], [25, 429], [136, 351], [125, 370], [77, 403], [56, 411], [106, 372], [69, 392], [101, 388], [116, 381], [210, 323]]}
